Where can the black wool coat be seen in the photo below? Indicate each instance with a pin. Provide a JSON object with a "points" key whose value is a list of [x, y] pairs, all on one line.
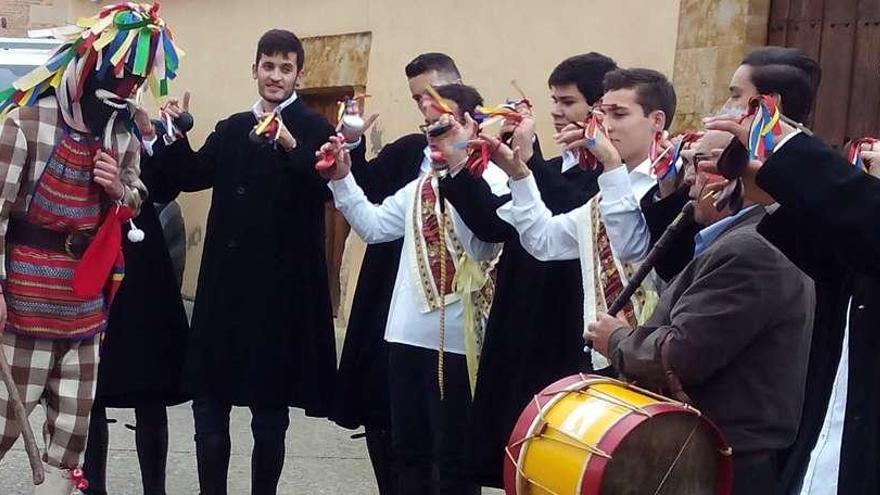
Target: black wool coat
{"points": [[144, 347], [827, 224], [262, 328]]}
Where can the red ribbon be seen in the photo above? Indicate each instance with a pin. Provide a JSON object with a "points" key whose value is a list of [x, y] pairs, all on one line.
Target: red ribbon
{"points": [[853, 153], [591, 127]]}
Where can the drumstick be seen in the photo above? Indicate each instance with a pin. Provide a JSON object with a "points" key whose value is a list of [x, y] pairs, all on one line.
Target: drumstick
{"points": [[30, 443]]}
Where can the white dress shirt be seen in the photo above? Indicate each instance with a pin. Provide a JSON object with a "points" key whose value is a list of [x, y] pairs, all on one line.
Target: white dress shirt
{"points": [[552, 238], [621, 195], [822, 472], [258, 111], [387, 222], [570, 160]]}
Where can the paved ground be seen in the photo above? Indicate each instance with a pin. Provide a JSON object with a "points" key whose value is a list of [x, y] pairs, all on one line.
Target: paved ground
{"points": [[321, 457]]}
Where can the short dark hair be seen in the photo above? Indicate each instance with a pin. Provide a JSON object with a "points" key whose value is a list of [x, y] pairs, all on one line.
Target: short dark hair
{"points": [[276, 41], [791, 73], [428, 62], [586, 71], [466, 97], [653, 90]]}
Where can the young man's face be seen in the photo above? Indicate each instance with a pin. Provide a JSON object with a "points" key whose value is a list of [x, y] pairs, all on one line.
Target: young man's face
{"points": [[418, 84], [276, 76], [569, 105], [631, 131], [741, 89], [433, 114]]}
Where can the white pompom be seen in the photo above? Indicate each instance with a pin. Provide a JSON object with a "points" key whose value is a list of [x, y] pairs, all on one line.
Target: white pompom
{"points": [[135, 234]]}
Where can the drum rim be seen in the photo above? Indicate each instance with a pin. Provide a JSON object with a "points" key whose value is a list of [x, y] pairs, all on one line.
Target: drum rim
{"points": [[530, 419]]}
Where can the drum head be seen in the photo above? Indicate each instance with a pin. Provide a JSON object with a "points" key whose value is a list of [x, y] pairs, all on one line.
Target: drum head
{"points": [[645, 456]]}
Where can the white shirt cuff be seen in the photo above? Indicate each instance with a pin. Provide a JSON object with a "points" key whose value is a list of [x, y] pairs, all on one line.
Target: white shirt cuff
{"points": [[524, 192], [615, 184], [148, 144], [343, 188], [351, 146]]}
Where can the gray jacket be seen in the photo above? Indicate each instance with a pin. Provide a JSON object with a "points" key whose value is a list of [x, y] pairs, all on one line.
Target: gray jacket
{"points": [[741, 317]]}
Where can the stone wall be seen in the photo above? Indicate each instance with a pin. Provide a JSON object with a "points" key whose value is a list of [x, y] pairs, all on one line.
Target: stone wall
{"points": [[713, 37]]}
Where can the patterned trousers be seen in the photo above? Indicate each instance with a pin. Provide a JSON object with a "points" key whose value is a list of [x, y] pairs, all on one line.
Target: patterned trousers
{"points": [[60, 374]]}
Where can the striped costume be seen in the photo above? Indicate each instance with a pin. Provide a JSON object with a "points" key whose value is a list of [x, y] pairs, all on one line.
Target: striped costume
{"points": [[39, 296], [60, 233], [50, 335]]}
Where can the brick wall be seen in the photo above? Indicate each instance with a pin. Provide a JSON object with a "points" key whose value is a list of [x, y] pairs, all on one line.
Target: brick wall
{"points": [[20, 15]]}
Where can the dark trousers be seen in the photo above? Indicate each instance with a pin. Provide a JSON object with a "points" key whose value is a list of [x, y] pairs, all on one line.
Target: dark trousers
{"points": [[151, 441], [429, 436], [755, 473], [379, 448], [269, 428]]}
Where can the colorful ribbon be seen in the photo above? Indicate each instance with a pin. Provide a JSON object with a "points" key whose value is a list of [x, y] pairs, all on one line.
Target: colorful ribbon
{"points": [[268, 128], [127, 38], [592, 126], [437, 101], [485, 116], [765, 126], [853, 153], [665, 168]]}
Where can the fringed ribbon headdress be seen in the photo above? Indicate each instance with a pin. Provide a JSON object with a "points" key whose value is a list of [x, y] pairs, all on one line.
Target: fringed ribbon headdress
{"points": [[127, 39]]}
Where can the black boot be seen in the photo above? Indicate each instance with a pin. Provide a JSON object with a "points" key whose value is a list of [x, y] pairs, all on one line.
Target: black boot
{"points": [[95, 457], [212, 455], [379, 448], [267, 461], [151, 438]]}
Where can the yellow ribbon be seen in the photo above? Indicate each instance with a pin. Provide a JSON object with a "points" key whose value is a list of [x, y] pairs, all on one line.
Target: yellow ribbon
{"points": [[470, 278]]}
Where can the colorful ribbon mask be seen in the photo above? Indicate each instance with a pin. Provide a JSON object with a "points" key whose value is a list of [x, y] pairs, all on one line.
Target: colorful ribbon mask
{"points": [[127, 39]]}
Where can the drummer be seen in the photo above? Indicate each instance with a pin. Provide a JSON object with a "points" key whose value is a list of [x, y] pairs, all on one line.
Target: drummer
{"points": [[721, 329], [721, 326]]}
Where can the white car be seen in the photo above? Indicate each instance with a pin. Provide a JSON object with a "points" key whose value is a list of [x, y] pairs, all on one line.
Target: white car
{"points": [[18, 56]]}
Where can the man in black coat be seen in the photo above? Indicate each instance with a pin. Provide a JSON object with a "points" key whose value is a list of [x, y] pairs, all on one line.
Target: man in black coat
{"points": [[362, 383], [533, 335], [143, 352], [262, 330], [826, 223]]}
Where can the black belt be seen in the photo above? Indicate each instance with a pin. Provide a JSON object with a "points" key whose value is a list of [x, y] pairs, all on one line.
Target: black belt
{"points": [[74, 244]]}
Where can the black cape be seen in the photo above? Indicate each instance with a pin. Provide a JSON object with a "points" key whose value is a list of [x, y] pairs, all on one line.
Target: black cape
{"points": [[362, 382], [144, 347], [262, 330], [827, 225], [534, 333]]}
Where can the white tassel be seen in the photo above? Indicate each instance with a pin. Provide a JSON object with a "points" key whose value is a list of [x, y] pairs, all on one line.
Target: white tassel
{"points": [[108, 132], [135, 234]]}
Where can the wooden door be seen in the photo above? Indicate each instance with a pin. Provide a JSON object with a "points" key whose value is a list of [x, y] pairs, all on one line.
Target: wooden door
{"points": [[844, 36], [336, 228]]}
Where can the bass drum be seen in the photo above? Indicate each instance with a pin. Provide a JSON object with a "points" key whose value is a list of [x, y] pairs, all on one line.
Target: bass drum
{"points": [[593, 435]]}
